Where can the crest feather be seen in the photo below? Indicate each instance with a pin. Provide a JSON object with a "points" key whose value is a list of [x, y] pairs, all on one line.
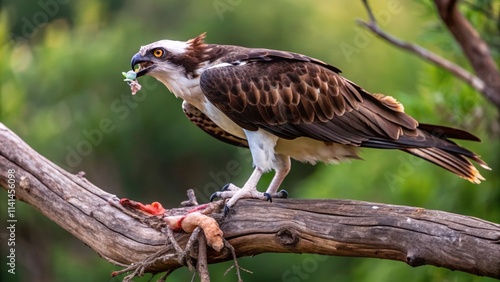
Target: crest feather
{"points": [[197, 42]]}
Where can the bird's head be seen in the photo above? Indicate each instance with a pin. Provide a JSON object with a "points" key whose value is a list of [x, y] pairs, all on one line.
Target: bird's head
{"points": [[167, 59]]}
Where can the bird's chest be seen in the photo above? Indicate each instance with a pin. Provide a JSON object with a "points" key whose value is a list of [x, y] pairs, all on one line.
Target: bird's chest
{"points": [[190, 91]]}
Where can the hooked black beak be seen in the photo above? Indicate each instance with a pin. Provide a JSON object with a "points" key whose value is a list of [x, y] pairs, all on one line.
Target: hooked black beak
{"points": [[141, 65]]}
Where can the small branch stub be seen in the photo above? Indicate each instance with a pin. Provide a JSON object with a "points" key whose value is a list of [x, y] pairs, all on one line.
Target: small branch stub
{"points": [[288, 237], [414, 260]]}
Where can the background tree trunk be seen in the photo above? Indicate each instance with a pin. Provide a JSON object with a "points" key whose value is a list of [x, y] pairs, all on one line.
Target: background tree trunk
{"points": [[486, 79]]}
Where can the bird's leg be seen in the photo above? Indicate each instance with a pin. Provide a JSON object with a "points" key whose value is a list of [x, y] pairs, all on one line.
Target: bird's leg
{"points": [[282, 168], [248, 190], [261, 144]]}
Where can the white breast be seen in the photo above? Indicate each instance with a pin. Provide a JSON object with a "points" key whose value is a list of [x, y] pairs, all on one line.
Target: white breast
{"points": [[221, 119], [188, 89]]}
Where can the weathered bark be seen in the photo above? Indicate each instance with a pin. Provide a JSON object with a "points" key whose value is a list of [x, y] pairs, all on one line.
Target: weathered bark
{"points": [[331, 227]]}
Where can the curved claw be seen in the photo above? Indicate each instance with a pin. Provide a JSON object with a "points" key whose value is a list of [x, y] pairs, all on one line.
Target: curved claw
{"points": [[226, 210], [283, 194], [213, 196], [268, 197], [226, 187]]}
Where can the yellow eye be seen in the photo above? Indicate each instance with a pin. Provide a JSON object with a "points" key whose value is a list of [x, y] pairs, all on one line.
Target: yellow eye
{"points": [[158, 53]]}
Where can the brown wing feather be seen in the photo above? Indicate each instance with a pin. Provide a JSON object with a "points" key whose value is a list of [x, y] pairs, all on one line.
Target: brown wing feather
{"points": [[276, 96], [291, 95]]}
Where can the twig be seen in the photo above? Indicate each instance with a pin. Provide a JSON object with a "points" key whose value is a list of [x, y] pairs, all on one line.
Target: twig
{"points": [[182, 256], [171, 239], [236, 264], [189, 246], [369, 11], [191, 199], [459, 72], [165, 276], [139, 267], [202, 266]]}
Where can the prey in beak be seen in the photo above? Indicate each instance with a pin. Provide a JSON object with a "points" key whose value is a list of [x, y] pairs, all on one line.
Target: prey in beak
{"points": [[141, 65]]}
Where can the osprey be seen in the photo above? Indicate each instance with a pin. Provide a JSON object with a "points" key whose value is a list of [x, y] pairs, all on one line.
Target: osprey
{"points": [[284, 105]]}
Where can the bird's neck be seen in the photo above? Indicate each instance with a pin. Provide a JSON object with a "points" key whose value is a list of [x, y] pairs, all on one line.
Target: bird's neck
{"points": [[186, 88]]}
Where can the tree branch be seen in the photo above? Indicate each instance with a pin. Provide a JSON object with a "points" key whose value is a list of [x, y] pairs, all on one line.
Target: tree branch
{"points": [[330, 227], [474, 47], [487, 81]]}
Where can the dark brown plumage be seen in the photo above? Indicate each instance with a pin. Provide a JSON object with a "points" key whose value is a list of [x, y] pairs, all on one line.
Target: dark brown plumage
{"points": [[291, 96], [286, 105]]}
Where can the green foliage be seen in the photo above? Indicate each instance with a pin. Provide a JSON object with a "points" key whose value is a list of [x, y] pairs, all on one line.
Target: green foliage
{"points": [[62, 91]]}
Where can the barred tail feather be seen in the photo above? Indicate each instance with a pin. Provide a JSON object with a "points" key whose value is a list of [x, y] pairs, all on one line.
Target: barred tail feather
{"points": [[452, 161]]}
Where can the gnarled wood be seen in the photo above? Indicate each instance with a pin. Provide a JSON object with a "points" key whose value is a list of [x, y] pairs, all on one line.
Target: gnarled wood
{"points": [[331, 227]]}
